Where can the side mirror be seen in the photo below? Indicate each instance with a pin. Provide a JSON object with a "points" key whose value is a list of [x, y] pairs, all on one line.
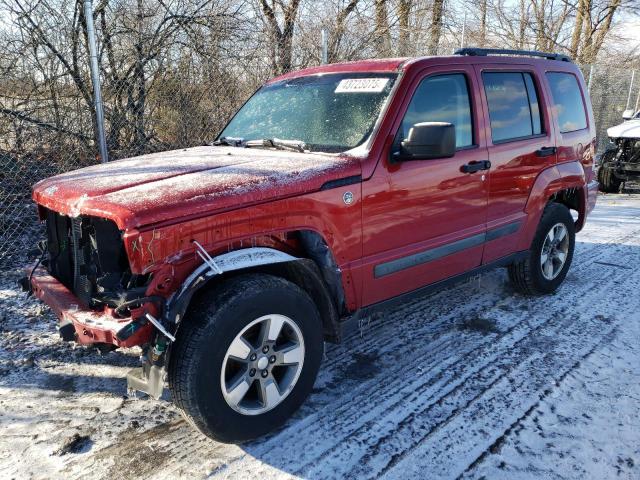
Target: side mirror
{"points": [[427, 140], [627, 114]]}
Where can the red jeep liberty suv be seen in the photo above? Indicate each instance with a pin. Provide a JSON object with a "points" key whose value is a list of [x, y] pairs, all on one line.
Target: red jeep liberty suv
{"points": [[334, 191]]}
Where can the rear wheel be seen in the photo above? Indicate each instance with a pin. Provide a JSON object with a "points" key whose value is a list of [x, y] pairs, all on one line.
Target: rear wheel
{"points": [[246, 357], [550, 255], [607, 181]]}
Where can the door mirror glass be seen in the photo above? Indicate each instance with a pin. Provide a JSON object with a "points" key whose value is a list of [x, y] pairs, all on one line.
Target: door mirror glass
{"points": [[427, 140]]}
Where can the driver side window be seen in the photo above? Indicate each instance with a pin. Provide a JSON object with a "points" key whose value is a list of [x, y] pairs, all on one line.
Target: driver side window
{"points": [[442, 98]]}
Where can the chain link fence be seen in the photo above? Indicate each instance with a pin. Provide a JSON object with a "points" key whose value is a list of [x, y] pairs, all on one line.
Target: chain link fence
{"points": [[170, 79], [612, 91]]}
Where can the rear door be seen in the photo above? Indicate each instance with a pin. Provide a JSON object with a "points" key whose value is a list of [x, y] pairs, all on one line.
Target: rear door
{"points": [[521, 143], [424, 220]]}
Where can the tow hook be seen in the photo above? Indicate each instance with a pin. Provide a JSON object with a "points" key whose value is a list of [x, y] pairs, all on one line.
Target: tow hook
{"points": [[25, 285], [67, 332]]}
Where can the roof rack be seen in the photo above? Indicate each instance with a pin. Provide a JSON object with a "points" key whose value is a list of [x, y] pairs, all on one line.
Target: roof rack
{"points": [[483, 52]]}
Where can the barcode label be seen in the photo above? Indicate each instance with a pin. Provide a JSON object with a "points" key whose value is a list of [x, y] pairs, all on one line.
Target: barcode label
{"points": [[361, 85]]}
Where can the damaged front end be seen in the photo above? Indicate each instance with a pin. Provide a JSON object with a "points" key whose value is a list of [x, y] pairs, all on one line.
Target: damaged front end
{"points": [[84, 276], [87, 255], [624, 159]]}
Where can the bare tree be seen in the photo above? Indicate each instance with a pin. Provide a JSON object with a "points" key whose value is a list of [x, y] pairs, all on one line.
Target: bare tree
{"points": [[382, 32], [523, 19], [597, 18], [581, 12], [339, 29], [138, 45], [404, 35], [483, 22], [282, 37], [436, 26], [549, 20], [170, 69]]}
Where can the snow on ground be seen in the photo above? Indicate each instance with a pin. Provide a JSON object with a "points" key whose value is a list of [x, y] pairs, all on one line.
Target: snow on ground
{"points": [[473, 382]]}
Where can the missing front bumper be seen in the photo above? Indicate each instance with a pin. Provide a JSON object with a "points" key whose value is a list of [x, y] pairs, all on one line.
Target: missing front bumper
{"points": [[89, 326]]}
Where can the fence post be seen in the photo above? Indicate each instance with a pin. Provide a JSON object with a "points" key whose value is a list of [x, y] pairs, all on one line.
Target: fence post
{"points": [[95, 78], [464, 30], [325, 47], [590, 78], [633, 75]]}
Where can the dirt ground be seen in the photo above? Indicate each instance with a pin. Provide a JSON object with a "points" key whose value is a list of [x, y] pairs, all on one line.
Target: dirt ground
{"points": [[473, 382]]}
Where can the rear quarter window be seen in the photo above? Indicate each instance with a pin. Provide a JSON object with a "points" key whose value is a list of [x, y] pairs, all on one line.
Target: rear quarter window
{"points": [[567, 101]]}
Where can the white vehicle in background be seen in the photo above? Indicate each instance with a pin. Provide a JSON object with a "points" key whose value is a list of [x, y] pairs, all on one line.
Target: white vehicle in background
{"points": [[621, 162]]}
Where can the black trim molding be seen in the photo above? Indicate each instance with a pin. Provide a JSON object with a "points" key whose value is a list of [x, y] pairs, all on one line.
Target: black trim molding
{"points": [[341, 182], [503, 231], [351, 324], [393, 266]]}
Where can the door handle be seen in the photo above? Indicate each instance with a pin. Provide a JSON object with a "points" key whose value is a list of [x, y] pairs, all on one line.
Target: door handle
{"points": [[476, 166], [546, 151]]}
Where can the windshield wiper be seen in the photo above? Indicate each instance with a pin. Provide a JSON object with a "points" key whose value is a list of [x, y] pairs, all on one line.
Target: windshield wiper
{"points": [[230, 141], [296, 145]]}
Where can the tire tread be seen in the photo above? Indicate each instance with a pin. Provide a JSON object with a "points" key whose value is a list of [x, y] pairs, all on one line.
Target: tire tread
{"points": [[203, 312]]}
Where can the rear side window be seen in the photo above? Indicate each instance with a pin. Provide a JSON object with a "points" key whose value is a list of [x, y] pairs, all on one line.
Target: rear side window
{"points": [[513, 105], [442, 98], [568, 102]]}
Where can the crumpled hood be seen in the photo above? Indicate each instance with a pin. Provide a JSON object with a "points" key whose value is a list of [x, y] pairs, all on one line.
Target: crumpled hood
{"points": [[628, 129], [162, 186]]}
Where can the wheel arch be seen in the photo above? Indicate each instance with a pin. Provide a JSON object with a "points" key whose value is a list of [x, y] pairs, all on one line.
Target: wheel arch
{"points": [[563, 183], [316, 273], [573, 198]]}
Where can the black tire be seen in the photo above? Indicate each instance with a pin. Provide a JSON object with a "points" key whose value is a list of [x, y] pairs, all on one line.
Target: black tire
{"points": [[212, 323], [607, 180], [526, 276]]}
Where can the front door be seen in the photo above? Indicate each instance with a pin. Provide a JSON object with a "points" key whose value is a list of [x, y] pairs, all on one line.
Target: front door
{"points": [[424, 220]]}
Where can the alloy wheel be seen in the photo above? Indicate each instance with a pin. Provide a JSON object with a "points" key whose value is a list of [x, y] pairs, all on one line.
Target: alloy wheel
{"points": [[262, 364], [555, 250]]}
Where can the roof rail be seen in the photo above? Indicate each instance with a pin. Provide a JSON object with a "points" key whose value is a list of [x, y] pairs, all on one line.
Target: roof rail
{"points": [[483, 52]]}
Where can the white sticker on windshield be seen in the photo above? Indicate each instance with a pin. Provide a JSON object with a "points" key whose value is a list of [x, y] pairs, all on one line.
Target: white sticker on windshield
{"points": [[361, 85]]}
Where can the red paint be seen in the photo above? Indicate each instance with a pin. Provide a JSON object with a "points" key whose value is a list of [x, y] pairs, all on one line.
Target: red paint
{"points": [[381, 65], [90, 326], [414, 206], [225, 198]]}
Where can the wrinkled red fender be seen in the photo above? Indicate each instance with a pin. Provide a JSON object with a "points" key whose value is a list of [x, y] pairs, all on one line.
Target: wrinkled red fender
{"points": [[552, 180]]}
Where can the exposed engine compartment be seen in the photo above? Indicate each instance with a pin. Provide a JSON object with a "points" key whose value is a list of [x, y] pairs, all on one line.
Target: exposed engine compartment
{"points": [[87, 255], [621, 161], [627, 155]]}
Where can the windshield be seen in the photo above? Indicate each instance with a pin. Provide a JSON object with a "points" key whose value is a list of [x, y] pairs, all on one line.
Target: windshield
{"points": [[331, 113]]}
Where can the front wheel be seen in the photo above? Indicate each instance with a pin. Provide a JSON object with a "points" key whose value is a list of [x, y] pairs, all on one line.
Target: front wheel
{"points": [[246, 357], [550, 255]]}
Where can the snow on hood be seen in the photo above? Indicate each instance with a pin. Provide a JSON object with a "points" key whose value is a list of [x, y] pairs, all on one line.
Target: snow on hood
{"points": [[628, 129], [160, 186]]}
